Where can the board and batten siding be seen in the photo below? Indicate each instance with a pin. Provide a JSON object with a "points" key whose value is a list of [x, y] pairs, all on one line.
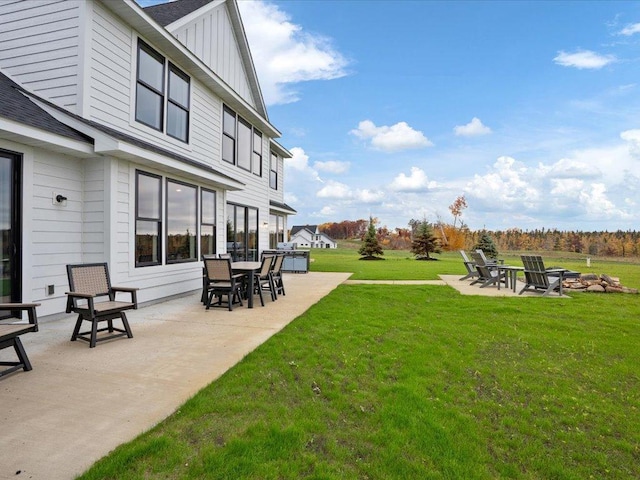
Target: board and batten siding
{"points": [[39, 47], [211, 38]]}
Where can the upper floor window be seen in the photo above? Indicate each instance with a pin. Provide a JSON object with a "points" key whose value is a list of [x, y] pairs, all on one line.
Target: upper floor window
{"points": [[241, 142], [273, 171], [155, 77]]}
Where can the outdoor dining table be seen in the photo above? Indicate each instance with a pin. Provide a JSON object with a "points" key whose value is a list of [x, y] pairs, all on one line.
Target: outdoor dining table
{"points": [[248, 268]]}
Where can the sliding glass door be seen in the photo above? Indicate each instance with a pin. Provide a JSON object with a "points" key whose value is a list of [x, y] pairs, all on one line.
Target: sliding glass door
{"points": [[10, 208]]}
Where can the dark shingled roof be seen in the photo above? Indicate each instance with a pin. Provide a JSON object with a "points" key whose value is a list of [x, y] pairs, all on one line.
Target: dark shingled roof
{"points": [[296, 228], [283, 206], [17, 107], [167, 13]]}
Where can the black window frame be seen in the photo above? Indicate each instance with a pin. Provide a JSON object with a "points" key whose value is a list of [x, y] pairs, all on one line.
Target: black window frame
{"points": [[158, 221], [165, 94], [273, 173], [196, 237], [204, 223], [254, 167]]}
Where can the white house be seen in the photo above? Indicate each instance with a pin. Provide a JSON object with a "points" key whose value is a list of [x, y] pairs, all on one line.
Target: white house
{"points": [[137, 137], [308, 236]]}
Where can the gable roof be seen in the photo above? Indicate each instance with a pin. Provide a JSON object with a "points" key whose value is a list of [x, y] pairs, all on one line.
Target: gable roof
{"points": [[17, 107], [167, 13], [312, 229]]}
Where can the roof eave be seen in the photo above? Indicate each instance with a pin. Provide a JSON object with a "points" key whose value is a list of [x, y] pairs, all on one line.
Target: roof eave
{"points": [[132, 14]]}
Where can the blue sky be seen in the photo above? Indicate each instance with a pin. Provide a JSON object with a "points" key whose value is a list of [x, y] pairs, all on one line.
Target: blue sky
{"points": [[395, 108]]}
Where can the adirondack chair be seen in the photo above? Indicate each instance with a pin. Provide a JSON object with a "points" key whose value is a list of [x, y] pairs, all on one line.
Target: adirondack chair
{"points": [[488, 274], [469, 265], [539, 278]]}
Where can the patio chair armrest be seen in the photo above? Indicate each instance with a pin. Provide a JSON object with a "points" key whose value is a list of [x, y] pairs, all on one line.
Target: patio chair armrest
{"points": [[132, 290], [80, 295], [71, 296], [29, 307]]}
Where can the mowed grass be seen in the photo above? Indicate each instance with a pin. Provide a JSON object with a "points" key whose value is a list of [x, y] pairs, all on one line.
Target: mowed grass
{"points": [[387, 381]]}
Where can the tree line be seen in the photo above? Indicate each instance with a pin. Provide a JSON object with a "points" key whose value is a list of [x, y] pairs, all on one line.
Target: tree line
{"points": [[596, 243]]}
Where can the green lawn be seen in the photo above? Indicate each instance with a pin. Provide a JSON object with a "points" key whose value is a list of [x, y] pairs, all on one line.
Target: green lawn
{"points": [[398, 382]]}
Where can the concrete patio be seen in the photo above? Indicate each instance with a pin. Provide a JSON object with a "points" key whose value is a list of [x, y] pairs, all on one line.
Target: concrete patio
{"points": [[78, 404]]}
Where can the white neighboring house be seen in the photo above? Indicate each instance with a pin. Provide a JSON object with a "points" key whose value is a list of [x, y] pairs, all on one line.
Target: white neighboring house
{"points": [[133, 136], [308, 236]]}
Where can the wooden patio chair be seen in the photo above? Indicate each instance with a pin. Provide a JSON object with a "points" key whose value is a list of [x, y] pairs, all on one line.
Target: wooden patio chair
{"points": [[539, 278], [276, 274], [220, 281], [263, 279], [469, 265], [10, 335], [94, 300], [488, 274]]}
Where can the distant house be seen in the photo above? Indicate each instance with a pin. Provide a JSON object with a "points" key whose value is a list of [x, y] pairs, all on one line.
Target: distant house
{"points": [[133, 136], [308, 236]]}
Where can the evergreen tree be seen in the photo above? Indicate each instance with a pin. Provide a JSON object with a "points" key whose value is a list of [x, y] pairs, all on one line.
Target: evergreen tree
{"points": [[424, 241], [370, 245], [487, 245]]}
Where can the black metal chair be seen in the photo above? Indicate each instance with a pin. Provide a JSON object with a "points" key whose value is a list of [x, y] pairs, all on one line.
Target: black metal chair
{"points": [[10, 335], [90, 282], [276, 274], [220, 281]]}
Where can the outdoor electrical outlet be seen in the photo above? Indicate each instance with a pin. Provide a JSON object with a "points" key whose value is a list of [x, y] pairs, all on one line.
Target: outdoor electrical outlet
{"points": [[51, 289]]}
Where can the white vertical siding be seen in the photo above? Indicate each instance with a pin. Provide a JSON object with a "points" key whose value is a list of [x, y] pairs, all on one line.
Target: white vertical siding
{"points": [[93, 215], [39, 47], [211, 37]]}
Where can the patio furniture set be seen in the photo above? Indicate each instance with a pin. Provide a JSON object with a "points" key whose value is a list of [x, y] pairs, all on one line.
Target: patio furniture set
{"points": [[240, 280], [487, 272], [93, 299]]}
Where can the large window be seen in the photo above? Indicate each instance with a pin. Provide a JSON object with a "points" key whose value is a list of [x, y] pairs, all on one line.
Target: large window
{"points": [[148, 219], [241, 143], [181, 222], [242, 232], [155, 77], [208, 222], [273, 171], [175, 233]]}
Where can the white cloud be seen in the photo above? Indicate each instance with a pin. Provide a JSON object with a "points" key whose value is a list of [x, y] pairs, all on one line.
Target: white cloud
{"points": [[417, 181], [334, 190], [332, 166], [630, 29], [569, 168], [300, 162], [391, 139], [474, 128], [284, 54], [369, 196], [583, 59]]}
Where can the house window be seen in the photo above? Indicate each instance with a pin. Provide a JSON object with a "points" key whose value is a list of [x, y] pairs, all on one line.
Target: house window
{"points": [[150, 94], [148, 219], [241, 143], [177, 223], [242, 232], [273, 171], [208, 222], [276, 230], [178, 105], [257, 153], [229, 136], [181, 222], [244, 144]]}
